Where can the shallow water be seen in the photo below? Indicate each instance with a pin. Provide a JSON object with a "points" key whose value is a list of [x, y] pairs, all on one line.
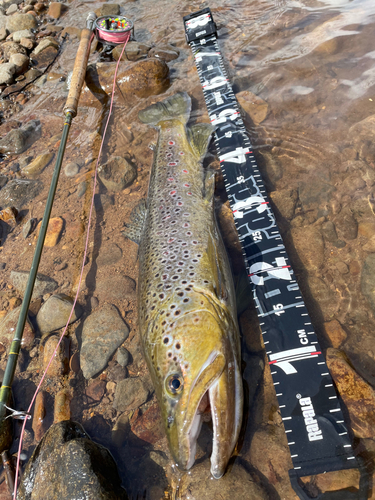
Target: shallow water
{"points": [[312, 63]]}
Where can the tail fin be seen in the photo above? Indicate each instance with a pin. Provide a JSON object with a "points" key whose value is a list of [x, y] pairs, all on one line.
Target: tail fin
{"points": [[177, 106]]}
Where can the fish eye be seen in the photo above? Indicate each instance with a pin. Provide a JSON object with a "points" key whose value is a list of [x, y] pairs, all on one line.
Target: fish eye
{"points": [[175, 384]]}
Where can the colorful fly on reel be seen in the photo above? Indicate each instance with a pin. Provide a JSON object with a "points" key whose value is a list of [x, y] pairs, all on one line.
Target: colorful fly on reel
{"points": [[113, 30]]}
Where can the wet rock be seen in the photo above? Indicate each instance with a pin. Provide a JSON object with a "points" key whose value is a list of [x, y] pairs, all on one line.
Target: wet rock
{"points": [[120, 430], [18, 140], [356, 394], [39, 423], [67, 464], [165, 52], [362, 137], [109, 254], [116, 373], [7, 71], [12, 9], [74, 363], [329, 231], [133, 51], [309, 246], [95, 391], [44, 44], [62, 406], [30, 76], [346, 225], [326, 300], [11, 48], [142, 79], [28, 228], [272, 169], [198, 484], [43, 284], [18, 35], [54, 230], [108, 9], [123, 357], [368, 280], [8, 327], [59, 364], [38, 165], [55, 312], [3, 180], [45, 58], [117, 173], [21, 63], [130, 394], [103, 332], [72, 31], [147, 425], [335, 333], [55, 10], [285, 201], [253, 105], [115, 288], [269, 453], [338, 481], [71, 169], [19, 22], [9, 215]]}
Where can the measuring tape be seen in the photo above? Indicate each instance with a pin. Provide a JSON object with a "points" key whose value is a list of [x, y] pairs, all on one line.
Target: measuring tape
{"points": [[314, 425]]}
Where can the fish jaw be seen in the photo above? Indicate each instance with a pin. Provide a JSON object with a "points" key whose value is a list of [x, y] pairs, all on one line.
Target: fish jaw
{"points": [[212, 370]]}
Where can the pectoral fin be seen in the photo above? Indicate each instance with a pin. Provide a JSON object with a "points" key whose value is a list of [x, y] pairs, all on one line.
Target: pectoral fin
{"points": [[134, 228]]}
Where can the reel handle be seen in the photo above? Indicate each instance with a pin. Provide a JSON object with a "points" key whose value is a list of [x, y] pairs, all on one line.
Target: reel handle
{"points": [[80, 65]]}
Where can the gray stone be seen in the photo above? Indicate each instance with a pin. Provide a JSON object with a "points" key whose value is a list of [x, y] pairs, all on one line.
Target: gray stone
{"points": [[9, 48], [3, 180], [329, 231], [115, 288], [18, 35], [346, 225], [18, 192], [109, 254], [67, 464], [12, 9], [130, 394], [368, 280], [3, 20], [3, 33], [29, 227], [8, 327], [123, 357], [21, 62], [43, 284], [44, 44], [18, 140], [5, 4], [55, 312], [362, 137], [133, 51], [19, 22], [285, 201], [7, 71], [103, 332], [117, 173], [71, 169]]}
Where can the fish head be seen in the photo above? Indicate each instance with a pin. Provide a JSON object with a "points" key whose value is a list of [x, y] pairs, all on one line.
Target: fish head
{"points": [[194, 362]]}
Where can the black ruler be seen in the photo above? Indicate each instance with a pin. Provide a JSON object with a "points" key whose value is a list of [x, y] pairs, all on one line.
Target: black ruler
{"points": [[317, 435]]}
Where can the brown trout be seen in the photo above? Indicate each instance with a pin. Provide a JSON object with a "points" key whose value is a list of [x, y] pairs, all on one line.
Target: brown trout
{"points": [[187, 311]]}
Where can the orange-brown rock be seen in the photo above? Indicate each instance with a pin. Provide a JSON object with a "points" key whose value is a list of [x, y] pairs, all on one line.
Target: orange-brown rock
{"points": [[334, 481], [147, 425], [335, 333], [39, 424], [59, 363], [55, 227], [356, 394], [309, 246], [9, 215], [253, 105], [62, 406], [141, 79]]}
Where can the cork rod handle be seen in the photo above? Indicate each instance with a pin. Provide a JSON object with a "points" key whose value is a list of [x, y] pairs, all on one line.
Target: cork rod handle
{"points": [[79, 72]]}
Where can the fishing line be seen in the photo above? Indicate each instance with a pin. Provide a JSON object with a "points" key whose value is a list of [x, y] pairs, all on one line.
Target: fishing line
{"points": [[125, 38], [113, 30]]}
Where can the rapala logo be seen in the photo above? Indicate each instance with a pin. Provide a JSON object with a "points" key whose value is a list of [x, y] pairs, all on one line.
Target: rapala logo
{"points": [[313, 431]]}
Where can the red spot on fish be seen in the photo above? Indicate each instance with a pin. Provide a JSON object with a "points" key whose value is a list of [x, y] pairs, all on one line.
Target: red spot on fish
{"points": [[195, 242], [172, 164], [181, 153], [161, 207], [187, 185], [186, 224], [185, 171], [171, 240], [172, 193], [180, 203], [171, 143], [169, 155], [170, 179], [189, 193]]}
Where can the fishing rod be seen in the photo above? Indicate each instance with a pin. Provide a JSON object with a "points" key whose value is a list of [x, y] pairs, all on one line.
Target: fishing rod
{"points": [[110, 31]]}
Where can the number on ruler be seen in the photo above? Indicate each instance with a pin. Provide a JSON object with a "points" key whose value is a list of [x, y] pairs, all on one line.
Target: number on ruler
{"points": [[279, 308]]}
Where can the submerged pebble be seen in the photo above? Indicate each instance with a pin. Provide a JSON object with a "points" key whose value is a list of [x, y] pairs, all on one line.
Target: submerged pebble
{"points": [[55, 312]]}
